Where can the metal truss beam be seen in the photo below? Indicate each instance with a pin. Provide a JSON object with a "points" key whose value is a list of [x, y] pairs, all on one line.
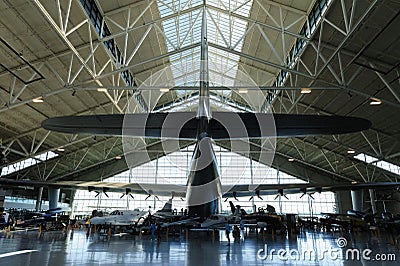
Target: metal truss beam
{"points": [[348, 35], [259, 60], [156, 58], [251, 21], [61, 30], [346, 147]]}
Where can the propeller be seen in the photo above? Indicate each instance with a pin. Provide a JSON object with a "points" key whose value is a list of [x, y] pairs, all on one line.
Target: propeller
{"points": [[257, 193], [128, 191], [280, 194], [151, 194], [304, 191], [309, 194], [234, 194], [104, 190]]}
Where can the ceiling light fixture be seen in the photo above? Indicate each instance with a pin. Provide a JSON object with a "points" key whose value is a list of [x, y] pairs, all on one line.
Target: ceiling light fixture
{"points": [[305, 90], [351, 151], [38, 100], [375, 101], [243, 91], [118, 157], [102, 90], [164, 90], [291, 159], [61, 149]]}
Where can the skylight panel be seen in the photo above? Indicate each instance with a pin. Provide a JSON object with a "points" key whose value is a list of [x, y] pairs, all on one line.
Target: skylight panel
{"points": [[388, 167], [166, 7], [240, 7], [28, 162], [222, 64], [169, 7], [366, 158], [222, 29], [185, 68], [225, 31], [181, 31], [379, 163]]}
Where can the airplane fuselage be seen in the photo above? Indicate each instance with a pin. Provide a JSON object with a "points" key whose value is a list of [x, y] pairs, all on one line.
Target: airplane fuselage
{"points": [[123, 217], [204, 187]]}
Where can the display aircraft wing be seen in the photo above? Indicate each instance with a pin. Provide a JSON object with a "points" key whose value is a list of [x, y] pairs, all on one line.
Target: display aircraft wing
{"points": [[222, 125], [180, 190], [272, 189], [133, 188]]}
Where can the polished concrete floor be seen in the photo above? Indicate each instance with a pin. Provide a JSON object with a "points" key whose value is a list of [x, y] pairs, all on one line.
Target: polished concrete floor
{"points": [[196, 248]]}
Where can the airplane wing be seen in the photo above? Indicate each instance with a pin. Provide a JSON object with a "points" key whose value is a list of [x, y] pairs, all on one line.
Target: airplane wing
{"points": [[172, 190], [133, 188], [223, 125], [272, 189], [189, 221]]}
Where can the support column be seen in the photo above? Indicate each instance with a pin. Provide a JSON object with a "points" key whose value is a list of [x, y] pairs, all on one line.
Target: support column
{"points": [[39, 199], [71, 203], [54, 194], [357, 199], [373, 204], [253, 205], [63, 196], [343, 201], [2, 199]]}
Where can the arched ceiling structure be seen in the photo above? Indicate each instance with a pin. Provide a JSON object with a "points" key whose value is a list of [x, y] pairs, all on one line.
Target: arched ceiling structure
{"points": [[94, 57]]}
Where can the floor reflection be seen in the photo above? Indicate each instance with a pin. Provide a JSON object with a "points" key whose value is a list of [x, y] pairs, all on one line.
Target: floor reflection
{"points": [[194, 248]]}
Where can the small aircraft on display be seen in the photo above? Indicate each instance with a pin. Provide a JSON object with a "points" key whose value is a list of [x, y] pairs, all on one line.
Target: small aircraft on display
{"points": [[353, 220], [261, 218], [120, 218], [166, 211], [219, 221]]}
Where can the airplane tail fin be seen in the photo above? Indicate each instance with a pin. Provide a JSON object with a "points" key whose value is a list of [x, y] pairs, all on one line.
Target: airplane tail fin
{"points": [[233, 209], [271, 209], [167, 206]]}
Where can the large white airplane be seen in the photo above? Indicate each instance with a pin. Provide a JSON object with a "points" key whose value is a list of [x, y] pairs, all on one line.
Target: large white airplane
{"points": [[203, 191], [120, 217]]}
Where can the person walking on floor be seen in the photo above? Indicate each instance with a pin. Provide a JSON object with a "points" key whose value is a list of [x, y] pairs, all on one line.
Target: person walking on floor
{"points": [[227, 232]]}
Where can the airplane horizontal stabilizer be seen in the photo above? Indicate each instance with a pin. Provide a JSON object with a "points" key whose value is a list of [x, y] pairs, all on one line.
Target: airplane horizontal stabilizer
{"points": [[222, 125], [182, 125], [258, 125]]}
